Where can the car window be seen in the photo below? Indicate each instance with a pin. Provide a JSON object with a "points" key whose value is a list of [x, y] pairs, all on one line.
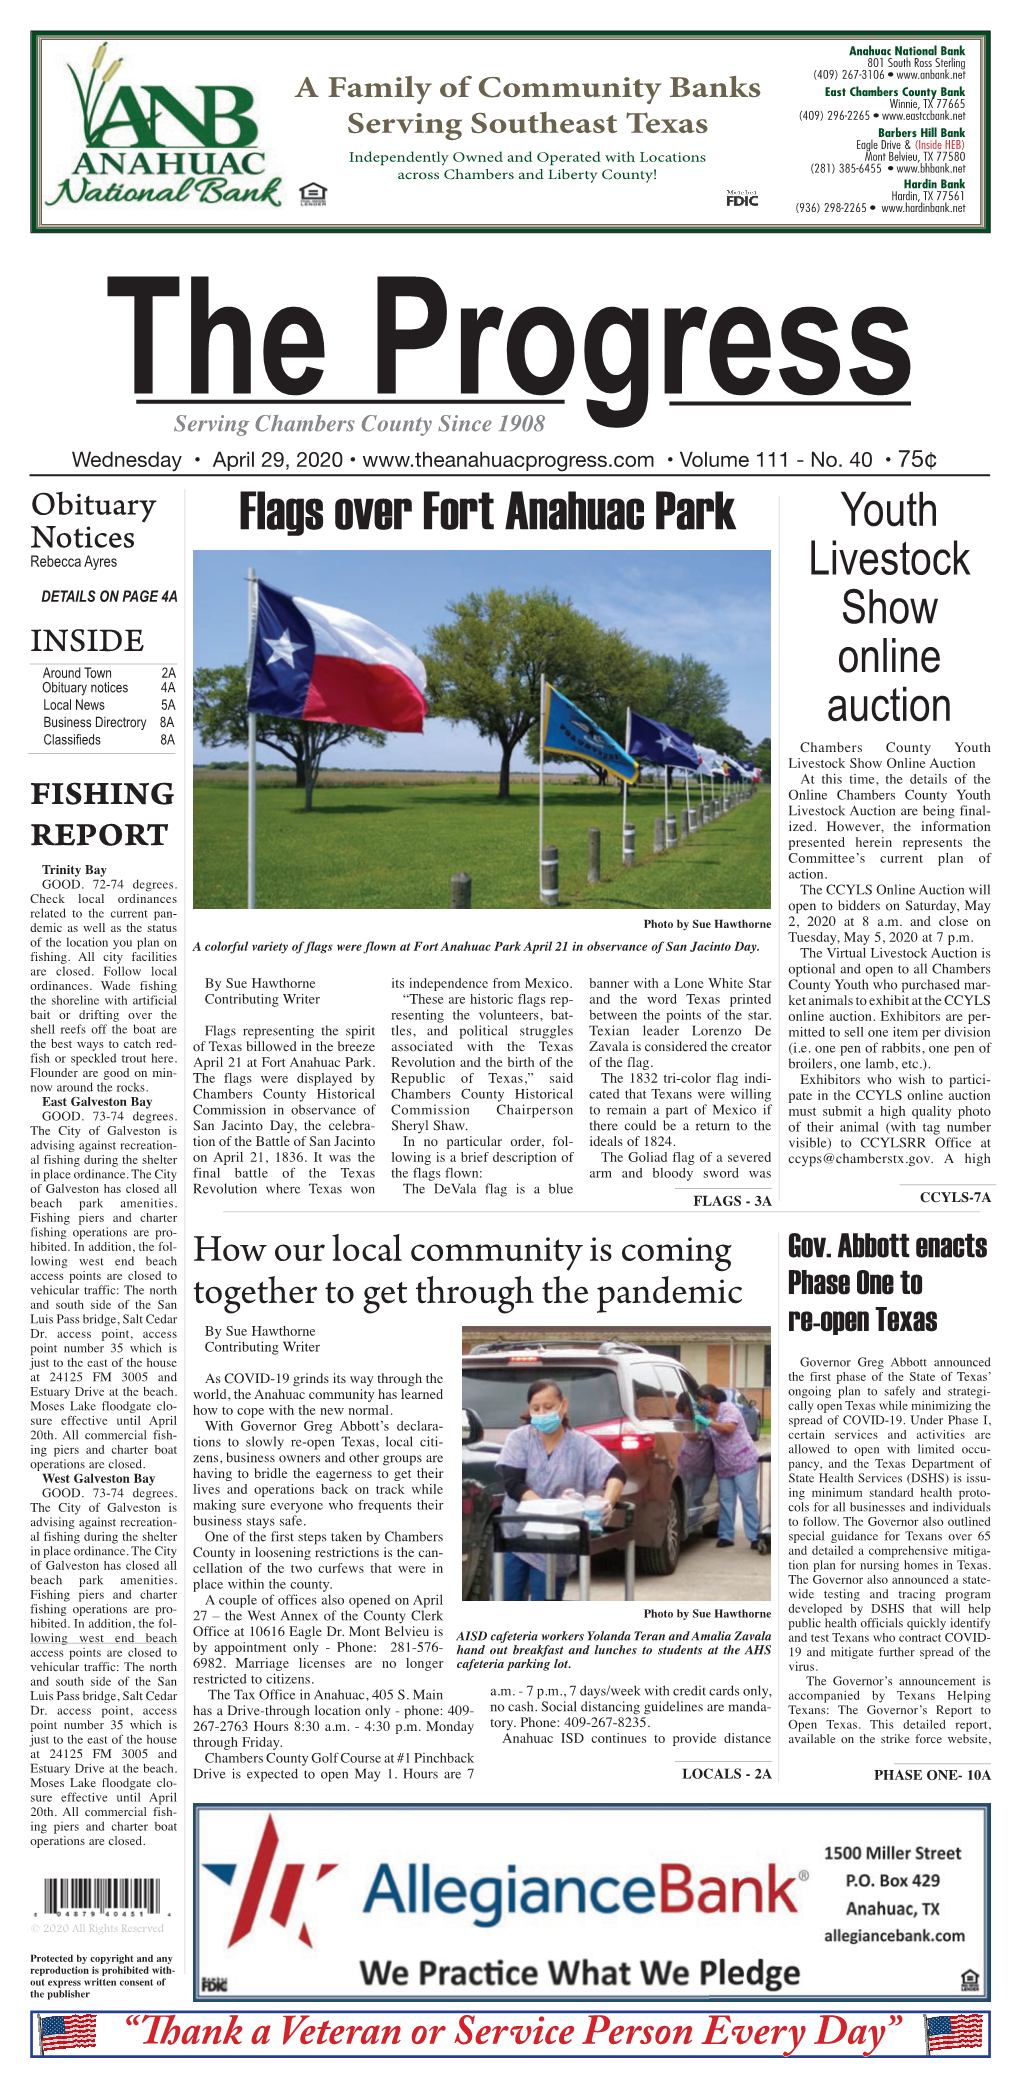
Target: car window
{"points": [[499, 1396], [672, 1383], [650, 1402]]}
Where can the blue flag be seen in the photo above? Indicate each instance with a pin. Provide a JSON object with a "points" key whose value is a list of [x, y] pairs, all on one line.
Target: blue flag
{"points": [[566, 730], [663, 745]]}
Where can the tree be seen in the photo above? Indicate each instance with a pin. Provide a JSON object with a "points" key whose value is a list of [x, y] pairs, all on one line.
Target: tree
{"points": [[221, 717], [729, 739], [761, 755], [685, 693], [486, 668], [688, 693]]}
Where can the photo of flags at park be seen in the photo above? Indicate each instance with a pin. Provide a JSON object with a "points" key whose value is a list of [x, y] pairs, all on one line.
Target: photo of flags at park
{"points": [[622, 779]]}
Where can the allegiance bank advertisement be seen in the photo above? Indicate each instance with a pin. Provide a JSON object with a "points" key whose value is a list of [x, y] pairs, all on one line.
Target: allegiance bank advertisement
{"points": [[669, 1918]]}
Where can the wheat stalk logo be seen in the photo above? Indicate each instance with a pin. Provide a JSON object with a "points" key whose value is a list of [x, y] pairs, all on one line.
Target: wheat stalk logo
{"points": [[91, 94]]}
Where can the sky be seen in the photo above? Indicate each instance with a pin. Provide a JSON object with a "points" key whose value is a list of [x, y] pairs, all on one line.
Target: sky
{"points": [[713, 604]]}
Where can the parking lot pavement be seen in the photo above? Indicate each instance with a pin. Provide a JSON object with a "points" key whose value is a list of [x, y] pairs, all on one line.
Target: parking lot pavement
{"points": [[702, 1574]]}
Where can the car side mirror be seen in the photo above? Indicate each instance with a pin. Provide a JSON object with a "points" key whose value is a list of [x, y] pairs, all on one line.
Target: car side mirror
{"points": [[471, 1429]]}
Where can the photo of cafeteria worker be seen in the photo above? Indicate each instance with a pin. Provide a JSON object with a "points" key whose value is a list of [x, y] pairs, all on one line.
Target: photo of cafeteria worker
{"points": [[546, 1459], [717, 1422]]}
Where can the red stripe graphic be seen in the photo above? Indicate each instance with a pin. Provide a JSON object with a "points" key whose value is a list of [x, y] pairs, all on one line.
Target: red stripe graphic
{"points": [[285, 1896], [256, 1884]]}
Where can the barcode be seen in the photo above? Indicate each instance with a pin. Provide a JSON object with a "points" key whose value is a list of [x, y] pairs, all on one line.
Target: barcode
{"points": [[102, 1894]]}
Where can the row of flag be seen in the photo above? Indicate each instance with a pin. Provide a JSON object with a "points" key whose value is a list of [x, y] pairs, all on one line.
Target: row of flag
{"points": [[567, 730], [324, 665]]}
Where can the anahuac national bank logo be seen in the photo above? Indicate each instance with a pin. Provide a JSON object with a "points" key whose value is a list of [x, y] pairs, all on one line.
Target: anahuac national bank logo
{"points": [[153, 144], [275, 1896]]}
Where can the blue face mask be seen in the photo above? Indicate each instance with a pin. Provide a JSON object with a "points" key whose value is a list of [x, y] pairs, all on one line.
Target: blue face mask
{"points": [[546, 1423]]}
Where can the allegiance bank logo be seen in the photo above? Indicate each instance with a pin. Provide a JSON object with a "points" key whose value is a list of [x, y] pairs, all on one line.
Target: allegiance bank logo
{"points": [[397, 1888], [148, 144], [252, 1888]]}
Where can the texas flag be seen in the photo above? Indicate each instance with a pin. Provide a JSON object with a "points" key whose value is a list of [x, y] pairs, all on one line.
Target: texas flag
{"points": [[329, 667]]}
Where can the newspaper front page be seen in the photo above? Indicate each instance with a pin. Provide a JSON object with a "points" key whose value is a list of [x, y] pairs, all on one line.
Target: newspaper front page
{"points": [[545, 477]]}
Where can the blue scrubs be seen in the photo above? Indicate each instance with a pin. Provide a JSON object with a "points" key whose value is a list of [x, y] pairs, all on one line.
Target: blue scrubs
{"points": [[578, 1464]]}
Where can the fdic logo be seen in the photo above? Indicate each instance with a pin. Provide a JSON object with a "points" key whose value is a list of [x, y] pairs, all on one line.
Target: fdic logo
{"points": [[741, 199], [151, 131]]}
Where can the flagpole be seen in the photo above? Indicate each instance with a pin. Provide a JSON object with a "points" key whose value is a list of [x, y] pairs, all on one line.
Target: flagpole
{"points": [[665, 778], [253, 617], [541, 792], [626, 748], [687, 793]]}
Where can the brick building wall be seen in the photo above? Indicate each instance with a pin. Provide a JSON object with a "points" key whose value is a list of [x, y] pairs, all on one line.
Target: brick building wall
{"points": [[740, 1356]]}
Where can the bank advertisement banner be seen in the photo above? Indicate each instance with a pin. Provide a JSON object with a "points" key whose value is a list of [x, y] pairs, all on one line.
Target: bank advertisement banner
{"points": [[328, 1902], [290, 130]]}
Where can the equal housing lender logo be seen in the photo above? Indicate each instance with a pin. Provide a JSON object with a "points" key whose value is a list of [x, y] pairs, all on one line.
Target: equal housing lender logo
{"points": [[150, 143]]}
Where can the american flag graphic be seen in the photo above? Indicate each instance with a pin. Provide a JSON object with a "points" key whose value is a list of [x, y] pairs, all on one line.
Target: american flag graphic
{"points": [[67, 2033], [955, 2032]]}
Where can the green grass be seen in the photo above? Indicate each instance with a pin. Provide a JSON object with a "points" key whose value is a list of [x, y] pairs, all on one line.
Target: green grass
{"points": [[388, 844]]}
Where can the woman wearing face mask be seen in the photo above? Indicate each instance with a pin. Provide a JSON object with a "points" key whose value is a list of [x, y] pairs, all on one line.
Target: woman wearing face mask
{"points": [[541, 1461]]}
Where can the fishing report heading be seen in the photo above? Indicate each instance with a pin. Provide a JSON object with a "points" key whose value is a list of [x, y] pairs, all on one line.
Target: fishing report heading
{"points": [[732, 353]]}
